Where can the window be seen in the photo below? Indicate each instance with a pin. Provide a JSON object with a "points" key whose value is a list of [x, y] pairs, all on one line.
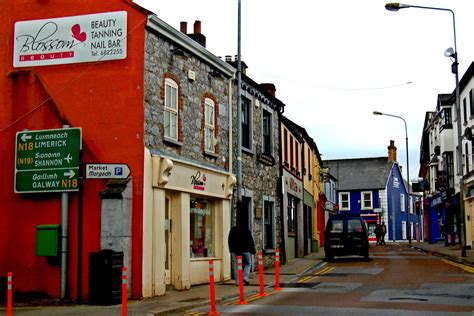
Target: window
{"points": [[201, 228], [285, 146], [471, 102], [402, 202], [171, 109], [297, 156], [291, 215], [336, 226], [246, 124], [447, 119], [366, 198], [467, 157], [344, 201], [354, 226], [464, 108], [209, 126], [267, 133], [269, 225], [404, 230], [292, 162], [448, 169], [310, 177]]}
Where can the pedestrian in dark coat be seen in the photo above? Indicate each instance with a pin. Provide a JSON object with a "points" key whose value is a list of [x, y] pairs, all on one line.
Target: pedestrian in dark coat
{"points": [[241, 243], [384, 231], [378, 233]]}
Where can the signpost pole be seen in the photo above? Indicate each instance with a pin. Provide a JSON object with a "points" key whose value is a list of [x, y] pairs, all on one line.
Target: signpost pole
{"points": [[64, 232]]}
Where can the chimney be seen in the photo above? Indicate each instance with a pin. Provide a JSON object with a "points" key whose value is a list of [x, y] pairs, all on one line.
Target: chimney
{"points": [[197, 36], [269, 87], [183, 27], [392, 152], [197, 27]]}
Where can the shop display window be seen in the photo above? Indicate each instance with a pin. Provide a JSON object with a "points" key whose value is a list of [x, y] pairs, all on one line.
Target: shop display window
{"points": [[202, 228]]}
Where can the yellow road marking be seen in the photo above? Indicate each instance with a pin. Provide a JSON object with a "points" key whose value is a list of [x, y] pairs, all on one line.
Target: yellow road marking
{"points": [[459, 265], [251, 298]]}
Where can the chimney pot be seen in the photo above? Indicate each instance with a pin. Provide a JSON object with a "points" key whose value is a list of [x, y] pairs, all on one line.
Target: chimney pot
{"points": [[183, 27], [197, 27], [269, 87]]}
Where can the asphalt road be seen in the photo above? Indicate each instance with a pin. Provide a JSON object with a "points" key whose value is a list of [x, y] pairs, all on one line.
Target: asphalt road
{"points": [[395, 281]]}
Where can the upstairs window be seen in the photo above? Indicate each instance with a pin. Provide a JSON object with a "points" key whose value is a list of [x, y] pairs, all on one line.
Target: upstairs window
{"points": [[209, 125], [366, 198], [447, 120], [464, 108], [267, 133], [471, 102], [246, 124], [344, 201], [171, 110], [402, 202]]}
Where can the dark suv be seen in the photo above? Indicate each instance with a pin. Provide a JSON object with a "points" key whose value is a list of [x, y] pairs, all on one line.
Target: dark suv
{"points": [[346, 235]]}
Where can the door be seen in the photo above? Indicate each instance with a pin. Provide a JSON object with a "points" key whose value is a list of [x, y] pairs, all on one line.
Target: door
{"points": [[168, 242]]}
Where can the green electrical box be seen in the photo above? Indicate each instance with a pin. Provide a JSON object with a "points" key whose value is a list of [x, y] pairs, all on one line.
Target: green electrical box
{"points": [[47, 240]]}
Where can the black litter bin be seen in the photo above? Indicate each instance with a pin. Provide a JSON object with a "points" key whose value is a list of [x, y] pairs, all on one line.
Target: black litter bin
{"points": [[105, 277]]}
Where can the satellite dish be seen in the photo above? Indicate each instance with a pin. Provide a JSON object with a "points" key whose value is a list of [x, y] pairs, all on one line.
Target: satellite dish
{"points": [[468, 133]]}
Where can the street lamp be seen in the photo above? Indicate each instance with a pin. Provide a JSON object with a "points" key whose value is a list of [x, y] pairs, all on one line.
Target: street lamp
{"points": [[408, 170], [454, 68]]}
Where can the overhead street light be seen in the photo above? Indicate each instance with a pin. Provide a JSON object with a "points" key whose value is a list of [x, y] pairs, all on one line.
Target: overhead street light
{"points": [[452, 53], [408, 171]]}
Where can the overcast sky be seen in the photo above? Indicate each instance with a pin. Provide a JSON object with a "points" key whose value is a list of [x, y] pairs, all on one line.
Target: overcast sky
{"points": [[334, 62]]}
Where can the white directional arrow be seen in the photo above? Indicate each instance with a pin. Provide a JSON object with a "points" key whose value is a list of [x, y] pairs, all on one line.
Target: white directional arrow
{"points": [[69, 174], [25, 137]]}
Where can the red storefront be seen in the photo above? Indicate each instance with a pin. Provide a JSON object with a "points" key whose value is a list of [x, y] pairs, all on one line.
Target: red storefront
{"points": [[102, 96]]}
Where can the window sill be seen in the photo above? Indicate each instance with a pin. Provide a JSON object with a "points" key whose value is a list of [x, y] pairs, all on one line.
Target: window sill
{"points": [[210, 154], [247, 151], [172, 142]]}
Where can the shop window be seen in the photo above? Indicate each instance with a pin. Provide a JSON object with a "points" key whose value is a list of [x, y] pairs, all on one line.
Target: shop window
{"points": [[269, 225], [171, 109], [202, 238]]}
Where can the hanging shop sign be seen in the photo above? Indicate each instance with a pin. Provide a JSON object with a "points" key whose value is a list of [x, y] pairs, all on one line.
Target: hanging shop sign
{"points": [[72, 39]]}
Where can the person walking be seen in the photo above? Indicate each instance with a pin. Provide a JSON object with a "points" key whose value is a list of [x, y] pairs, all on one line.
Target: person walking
{"points": [[378, 233], [384, 231], [241, 243]]}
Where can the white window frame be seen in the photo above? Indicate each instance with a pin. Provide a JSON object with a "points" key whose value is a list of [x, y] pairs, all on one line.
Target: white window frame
{"points": [[171, 110], [404, 230], [270, 131], [362, 206], [210, 141], [341, 194], [402, 202]]}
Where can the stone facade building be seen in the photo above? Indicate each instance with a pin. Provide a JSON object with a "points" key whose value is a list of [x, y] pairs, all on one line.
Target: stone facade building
{"points": [[260, 123], [188, 181]]}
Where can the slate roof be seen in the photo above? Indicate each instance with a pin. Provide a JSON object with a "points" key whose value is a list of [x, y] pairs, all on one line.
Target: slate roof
{"points": [[360, 173]]}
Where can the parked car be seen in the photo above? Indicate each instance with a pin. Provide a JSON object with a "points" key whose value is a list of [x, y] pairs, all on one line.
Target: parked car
{"points": [[346, 235]]}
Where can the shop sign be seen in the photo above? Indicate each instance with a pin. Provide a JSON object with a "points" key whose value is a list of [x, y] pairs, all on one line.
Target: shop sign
{"points": [[47, 160], [266, 160], [72, 39], [198, 181]]}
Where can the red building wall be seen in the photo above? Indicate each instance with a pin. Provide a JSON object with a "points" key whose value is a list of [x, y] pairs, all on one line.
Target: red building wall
{"points": [[105, 99]]}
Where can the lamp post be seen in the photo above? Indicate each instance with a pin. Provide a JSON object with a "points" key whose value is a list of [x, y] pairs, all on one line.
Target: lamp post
{"points": [[408, 170], [454, 70]]}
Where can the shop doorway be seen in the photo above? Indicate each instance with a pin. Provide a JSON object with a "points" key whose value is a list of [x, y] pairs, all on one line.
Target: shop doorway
{"points": [[168, 243]]}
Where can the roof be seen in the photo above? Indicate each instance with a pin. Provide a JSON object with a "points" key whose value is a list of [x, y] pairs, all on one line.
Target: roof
{"points": [[360, 173]]}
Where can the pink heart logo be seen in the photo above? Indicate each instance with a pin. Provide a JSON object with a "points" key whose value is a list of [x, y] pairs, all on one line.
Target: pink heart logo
{"points": [[76, 32]]}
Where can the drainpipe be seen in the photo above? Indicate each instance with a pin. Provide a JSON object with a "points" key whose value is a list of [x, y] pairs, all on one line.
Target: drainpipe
{"points": [[239, 107]]}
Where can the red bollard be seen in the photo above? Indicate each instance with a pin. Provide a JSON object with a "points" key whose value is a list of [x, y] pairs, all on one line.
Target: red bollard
{"points": [[260, 273], [9, 293], [212, 289], [242, 300], [277, 270], [124, 291]]}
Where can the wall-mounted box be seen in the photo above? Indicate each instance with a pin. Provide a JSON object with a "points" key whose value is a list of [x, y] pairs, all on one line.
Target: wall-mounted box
{"points": [[47, 240]]}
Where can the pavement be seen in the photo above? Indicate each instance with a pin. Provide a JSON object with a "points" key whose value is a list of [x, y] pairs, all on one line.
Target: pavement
{"points": [[176, 302]]}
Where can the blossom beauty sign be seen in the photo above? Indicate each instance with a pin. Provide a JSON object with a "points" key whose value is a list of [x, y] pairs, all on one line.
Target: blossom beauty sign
{"points": [[72, 39]]}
